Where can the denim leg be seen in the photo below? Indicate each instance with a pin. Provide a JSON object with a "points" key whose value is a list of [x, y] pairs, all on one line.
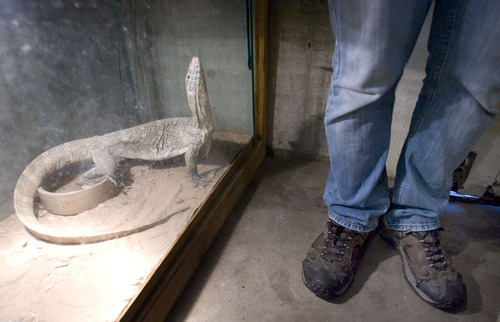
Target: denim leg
{"points": [[457, 103], [374, 40]]}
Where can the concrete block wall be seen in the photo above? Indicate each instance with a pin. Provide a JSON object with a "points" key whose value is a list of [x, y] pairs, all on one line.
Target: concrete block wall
{"points": [[300, 49]]}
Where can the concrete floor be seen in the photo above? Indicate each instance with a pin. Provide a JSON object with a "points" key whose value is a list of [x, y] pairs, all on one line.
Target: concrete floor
{"points": [[253, 270]]}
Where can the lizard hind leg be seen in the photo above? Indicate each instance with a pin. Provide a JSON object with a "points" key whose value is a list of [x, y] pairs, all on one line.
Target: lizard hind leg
{"points": [[104, 167]]}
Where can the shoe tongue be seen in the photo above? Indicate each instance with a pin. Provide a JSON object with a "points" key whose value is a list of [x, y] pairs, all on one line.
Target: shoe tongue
{"points": [[429, 237]]}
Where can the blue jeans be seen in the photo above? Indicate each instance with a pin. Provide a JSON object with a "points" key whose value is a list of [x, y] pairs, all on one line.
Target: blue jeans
{"points": [[458, 101]]}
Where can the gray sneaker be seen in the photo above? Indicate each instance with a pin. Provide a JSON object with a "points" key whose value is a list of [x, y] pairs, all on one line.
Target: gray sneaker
{"points": [[427, 269], [328, 269]]}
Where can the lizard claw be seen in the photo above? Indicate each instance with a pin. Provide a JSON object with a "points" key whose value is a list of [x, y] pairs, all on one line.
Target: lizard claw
{"points": [[91, 178], [198, 180]]}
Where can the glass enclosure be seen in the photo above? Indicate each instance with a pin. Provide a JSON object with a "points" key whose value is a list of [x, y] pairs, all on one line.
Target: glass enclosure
{"points": [[93, 218]]}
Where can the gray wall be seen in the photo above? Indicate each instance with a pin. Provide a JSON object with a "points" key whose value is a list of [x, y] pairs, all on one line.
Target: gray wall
{"points": [[73, 69], [300, 47], [300, 50]]}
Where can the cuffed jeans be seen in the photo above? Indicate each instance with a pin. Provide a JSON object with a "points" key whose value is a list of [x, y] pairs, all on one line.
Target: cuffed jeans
{"points": [[458, 101]]}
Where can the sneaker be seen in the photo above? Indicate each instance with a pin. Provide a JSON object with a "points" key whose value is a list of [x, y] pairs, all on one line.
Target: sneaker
{"points": [[427, 269], [328, 269]]}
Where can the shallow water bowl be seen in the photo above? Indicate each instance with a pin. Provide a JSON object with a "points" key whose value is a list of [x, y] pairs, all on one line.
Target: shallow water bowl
{"points": [[77, 201]]}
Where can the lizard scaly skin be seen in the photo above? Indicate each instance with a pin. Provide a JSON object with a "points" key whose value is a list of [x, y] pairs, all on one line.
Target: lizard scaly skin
{"points": [[157, 140]]}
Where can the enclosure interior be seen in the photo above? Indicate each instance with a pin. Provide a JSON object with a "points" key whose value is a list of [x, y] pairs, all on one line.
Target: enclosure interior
{"points": [[77, 69]]}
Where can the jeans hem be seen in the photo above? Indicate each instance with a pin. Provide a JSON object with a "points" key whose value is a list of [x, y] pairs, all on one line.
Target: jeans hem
{"points": [[350, 225], [413, 227]]}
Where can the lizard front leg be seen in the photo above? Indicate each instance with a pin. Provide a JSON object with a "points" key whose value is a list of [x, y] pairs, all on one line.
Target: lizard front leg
{"points": [[191, 158]]}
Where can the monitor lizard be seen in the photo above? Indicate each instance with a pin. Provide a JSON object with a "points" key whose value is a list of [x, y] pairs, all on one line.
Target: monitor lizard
{"points": [[157, 140]]}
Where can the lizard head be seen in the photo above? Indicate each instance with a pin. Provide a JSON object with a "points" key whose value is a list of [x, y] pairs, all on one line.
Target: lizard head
{"points": [[197, 96], [194, 75]]}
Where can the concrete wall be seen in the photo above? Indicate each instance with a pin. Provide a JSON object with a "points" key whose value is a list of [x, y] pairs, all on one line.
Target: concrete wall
{"points": [[301, 45], [73, 69], [300, 50]]}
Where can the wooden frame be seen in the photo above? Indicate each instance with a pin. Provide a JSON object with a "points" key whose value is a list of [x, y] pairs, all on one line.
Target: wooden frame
{"points": [[169, 278]]}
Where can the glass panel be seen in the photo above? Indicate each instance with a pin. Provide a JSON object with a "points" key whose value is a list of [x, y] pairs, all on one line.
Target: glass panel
{"points": [[73, 71]]}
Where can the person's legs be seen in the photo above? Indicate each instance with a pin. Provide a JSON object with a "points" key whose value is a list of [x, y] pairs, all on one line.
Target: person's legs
{"points": [[456, 105], [374, 40]]}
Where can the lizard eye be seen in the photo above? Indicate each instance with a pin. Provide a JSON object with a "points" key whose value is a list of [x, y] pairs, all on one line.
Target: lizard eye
{"points": [[188, 77]]}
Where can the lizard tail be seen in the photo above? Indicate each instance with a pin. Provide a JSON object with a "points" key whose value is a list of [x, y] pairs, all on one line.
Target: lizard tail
{"points": [[32, 177]]}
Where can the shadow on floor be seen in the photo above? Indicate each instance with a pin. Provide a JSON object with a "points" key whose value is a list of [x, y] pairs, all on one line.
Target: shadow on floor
{"points": [[253, 269]]}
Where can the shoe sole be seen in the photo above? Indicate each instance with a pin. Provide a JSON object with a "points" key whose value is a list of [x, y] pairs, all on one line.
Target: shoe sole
{"points": [[322, 290], [450, 304]]}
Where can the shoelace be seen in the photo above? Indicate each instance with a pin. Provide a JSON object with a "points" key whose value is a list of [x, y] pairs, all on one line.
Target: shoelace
{"points": [[431, 240], [336, 242]]}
